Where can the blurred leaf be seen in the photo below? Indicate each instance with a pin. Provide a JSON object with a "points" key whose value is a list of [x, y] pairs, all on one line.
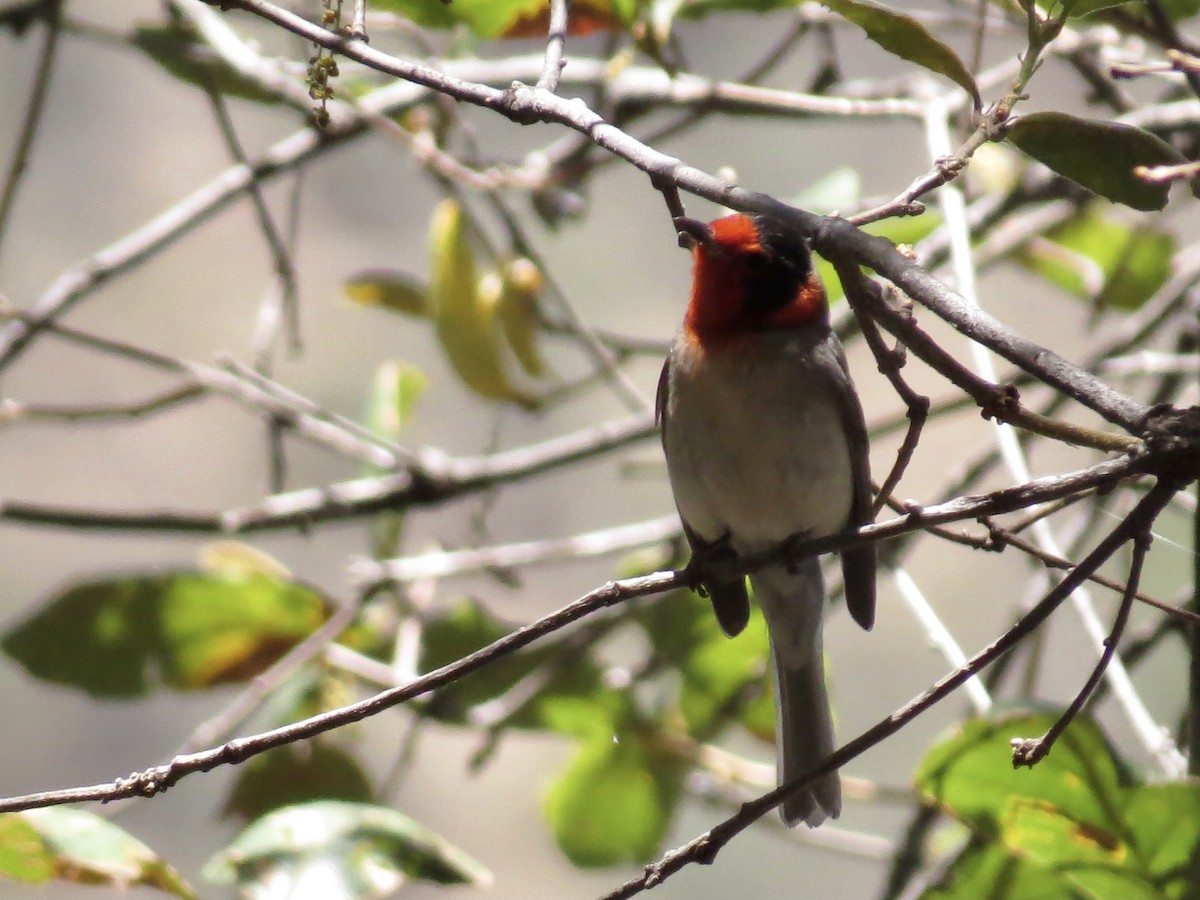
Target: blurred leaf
{"points": [[178, 50], [838, 191], [24, 856], [699, 8], [1078, 817], [996, 169], [905, 37], [521, 284], [586, 17], [466, 321], [87, 849], [391, 289], [507, 18], [1179, 10], [720, 675], [899, 230], [553, 685], [615, 800], [395, 392], [184, 630], [351, 850], [296, 773], [987, 870], [233, 559], [971, 774], [1165, 818], [391, 403], [1096, 256], [1097, 155]]}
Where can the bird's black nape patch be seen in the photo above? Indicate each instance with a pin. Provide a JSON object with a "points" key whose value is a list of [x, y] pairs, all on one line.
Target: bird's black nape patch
{"points": [[775, 274]]}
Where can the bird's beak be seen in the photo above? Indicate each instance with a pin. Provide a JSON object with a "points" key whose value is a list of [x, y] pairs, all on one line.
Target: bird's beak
{"points": [[692, 232]]}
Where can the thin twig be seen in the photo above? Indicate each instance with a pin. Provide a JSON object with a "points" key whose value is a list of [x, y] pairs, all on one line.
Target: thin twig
{"points": [[704, 849], [234, 714], [444, 563], [1029, 752], [889, 361], [556, 42], [13, 411], [51, 13], [155, 780], [462, 477], [953, 206], [357, 28]]}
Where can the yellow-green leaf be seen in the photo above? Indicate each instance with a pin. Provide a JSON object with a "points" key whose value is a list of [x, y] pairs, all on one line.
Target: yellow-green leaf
{"points": [[395, 393], [466, 321], [1079, 821], [521, 284], [184, 630], [234, 559], [24, 856], [391, 289], [87, 849], [614, 802], [1098, 256]]}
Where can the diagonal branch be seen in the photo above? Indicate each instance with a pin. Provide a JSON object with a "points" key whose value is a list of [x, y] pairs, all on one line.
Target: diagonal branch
{"points": [[155, 780], [705, 848]]}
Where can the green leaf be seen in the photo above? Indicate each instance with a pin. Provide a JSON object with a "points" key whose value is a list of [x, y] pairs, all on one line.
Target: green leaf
{"points": [[466, 320], [87, 849], [1098, 257], [1095, 861], [898, 230], [234, 559], [1179, 10], [1100, 156], [183, 630], [615, 800], [971, 774], [988, 870], [390, 289], [905, 37], [355, 850], [553, 685], [720, 676], [395, 392], [178, 50], [24, 856], [837, 192], [517, 309], [1078, 816], [296, 773], [1164, 820]]}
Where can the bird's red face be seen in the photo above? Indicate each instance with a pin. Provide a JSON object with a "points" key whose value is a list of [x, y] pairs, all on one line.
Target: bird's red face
{"points": [[748, 278]]}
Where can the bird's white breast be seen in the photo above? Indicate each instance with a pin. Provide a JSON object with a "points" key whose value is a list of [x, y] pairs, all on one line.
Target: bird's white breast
{"points": [[754, 439]]}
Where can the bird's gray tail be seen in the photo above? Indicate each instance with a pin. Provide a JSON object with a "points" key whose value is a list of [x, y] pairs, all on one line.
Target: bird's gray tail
{"points": [[793, 605]]}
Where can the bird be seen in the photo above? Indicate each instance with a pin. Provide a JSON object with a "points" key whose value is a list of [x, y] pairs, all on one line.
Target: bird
{"points": [[765, 443]]}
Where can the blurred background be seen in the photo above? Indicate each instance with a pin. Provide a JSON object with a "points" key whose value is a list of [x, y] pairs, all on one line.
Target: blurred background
{"points": [[121, 141]]}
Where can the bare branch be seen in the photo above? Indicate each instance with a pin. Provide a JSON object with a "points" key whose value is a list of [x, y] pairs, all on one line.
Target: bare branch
{"points": [[155, 780], [555, 43], [705, 848]]}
